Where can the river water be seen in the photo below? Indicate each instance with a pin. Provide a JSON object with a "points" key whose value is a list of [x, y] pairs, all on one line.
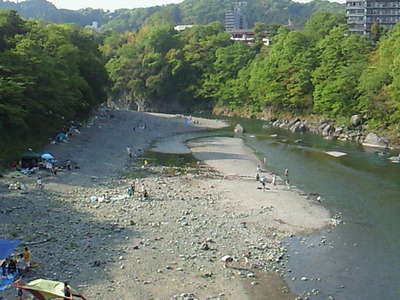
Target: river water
{"points": [[359, 259]]}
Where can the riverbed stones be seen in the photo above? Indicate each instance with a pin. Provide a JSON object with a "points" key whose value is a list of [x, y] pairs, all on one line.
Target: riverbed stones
{"points": [[356, 131], [328, 130], [395, 159], [356, 120], [375, 141]]}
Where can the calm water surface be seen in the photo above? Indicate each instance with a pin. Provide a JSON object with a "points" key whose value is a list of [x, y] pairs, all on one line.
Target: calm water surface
{"points": [[358, 259]]}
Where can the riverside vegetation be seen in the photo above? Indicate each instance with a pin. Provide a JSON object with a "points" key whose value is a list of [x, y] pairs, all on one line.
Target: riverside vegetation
{"points": [[52, 74]]}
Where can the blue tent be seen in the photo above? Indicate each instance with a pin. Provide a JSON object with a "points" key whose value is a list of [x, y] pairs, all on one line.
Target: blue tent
{"points": [[61, 135], [6, 247]]}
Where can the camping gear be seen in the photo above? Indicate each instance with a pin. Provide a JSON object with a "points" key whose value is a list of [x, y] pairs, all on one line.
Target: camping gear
{"points": [[43, 289], [6, 247], [30, 154], [46, 155], [29, 159], [61, 137]]}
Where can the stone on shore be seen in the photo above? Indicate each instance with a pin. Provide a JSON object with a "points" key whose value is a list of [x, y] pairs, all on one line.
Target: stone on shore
{"points": [[374, 141], [238, 128]]}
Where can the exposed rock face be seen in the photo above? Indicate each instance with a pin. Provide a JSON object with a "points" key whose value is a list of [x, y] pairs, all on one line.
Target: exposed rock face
{"points": [[238, 128], [374, 140]]}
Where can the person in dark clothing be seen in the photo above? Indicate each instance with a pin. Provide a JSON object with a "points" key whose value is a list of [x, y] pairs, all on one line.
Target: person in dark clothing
{"points": [[4, 268], [67, 290], [12, 266]]}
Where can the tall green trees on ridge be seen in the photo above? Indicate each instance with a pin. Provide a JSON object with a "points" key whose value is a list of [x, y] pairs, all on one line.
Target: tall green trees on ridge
{"points": [[321, 69], [380, 82], [342, 58], [49, 74]]}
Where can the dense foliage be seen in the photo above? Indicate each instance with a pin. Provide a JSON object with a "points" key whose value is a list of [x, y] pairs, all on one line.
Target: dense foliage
{"points": [[321, 70], [200, 12], [49, 74]]}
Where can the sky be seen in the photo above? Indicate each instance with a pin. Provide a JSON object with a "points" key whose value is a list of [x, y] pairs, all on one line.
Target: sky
{"points": [[107, 4], [116, 4]]}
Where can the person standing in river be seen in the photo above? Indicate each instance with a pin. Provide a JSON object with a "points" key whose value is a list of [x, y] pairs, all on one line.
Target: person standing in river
{"points": [[69, 165], [128, 149], [273, 180], [262, 181], [287, 178]]}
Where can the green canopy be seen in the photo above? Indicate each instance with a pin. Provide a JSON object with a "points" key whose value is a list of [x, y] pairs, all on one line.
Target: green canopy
{"points": [[30, 154]]}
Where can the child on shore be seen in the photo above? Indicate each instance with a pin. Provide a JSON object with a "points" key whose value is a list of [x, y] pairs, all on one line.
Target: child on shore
{"points": [[27, 258], [39, 183]]}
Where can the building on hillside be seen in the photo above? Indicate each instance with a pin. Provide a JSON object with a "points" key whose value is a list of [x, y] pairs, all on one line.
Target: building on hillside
{"points": [[234, 20], [247, 36], [361, 14], [182, 27], [94, 26]]}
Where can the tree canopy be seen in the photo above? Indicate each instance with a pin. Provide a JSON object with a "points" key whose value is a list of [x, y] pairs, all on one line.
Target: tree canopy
{"points": [[49, 74], [321, 69]]}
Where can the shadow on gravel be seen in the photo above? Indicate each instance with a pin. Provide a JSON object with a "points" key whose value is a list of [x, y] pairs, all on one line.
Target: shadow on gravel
{"points": [[67, 241]]}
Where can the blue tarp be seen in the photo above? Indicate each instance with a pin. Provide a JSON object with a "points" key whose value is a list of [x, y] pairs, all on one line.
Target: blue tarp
{"points": [[61, 136], [6, 247], [5, 281]]}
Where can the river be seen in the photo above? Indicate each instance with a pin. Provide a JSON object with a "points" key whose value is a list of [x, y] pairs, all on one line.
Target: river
{"points": [[358, 259]]}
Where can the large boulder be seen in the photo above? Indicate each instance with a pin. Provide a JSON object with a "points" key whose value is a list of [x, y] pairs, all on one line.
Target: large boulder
{"points": [[375, 141], [395, 159], [355, 120], [338, 131], [328, 130], [299, 126]]}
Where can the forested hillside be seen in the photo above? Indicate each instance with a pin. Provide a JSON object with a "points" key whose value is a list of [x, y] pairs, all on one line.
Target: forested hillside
{"points": [[188, 12], [49, 74], [321, 70], [46, 11]]}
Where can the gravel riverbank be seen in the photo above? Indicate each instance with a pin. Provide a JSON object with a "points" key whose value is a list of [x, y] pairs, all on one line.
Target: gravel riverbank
{"points": [[170, 245]]}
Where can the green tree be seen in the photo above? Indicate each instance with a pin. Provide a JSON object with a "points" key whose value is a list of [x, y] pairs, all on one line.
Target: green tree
{"points": [[49, 74], [320, 24], [342, 58], [380, 84], [259, 34], [377, 31]]}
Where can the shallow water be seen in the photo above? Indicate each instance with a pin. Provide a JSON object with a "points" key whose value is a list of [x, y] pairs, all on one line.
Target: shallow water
{"points": [[170, 159], [355, 260]]}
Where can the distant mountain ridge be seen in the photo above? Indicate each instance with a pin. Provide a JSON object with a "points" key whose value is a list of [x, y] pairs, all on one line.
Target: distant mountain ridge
{"points": [[187, 12]]}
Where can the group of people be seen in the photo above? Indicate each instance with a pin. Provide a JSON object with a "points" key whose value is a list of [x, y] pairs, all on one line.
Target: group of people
{"points": [[17, 266], [143, 194], [263, 179]]}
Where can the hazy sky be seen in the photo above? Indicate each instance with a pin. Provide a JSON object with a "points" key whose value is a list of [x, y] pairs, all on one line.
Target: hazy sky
{"points": [[115, 4], [107, 4]]}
